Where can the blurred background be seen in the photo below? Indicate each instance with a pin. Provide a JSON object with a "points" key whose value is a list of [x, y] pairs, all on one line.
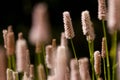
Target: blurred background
{"points": [[18, 13]]}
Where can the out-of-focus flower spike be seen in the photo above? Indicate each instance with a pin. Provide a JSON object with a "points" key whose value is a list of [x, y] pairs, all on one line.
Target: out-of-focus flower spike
{"points": [[31, 76], [21, 53], [10, 43], [54, 45], [74, 65], [51, 77], [15, 76], [40, 30], [84, 69], [63, 40], [5, 37], [3, 64], [49, 56], [25, 76], [100, 78], [41, 72], [113, 15], [61, 63], [9, 74], [10, 28], [67, 73]]}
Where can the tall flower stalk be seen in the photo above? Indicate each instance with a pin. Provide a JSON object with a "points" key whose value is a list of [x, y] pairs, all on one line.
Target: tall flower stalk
{"points": [[89, 32], [69, 32], [97, 63], [113, 54], [113, 26], [103, 54], [40, 26], [106, 47], [9, 44], [102, 11]]}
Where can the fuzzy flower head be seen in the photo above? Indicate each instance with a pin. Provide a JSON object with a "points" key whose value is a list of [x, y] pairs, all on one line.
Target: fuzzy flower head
{"points": [[97, 62], [5, 37], [102, 12], [113, 15], [63, 40], [41, 72], [10, 41], [61, 63], [87, 26], [103, 51], [74, 70], [15, 76], [21, 53], [9, 73], [69, 32], [49, 56], [84, 69], [40, 30], [3, 64]]}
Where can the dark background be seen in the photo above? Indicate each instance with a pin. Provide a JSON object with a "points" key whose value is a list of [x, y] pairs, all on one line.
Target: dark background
{"points": [[18, 14]]}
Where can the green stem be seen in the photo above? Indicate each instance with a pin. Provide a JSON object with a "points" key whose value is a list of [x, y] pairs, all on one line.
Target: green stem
{"points": [[91, 51], [104, 69], [20, 75], [97, 76], [73, 49], [43, 50], [17, 76], [36, 64], [114, 46], [106, 46], [13, 62], [9, 62]]}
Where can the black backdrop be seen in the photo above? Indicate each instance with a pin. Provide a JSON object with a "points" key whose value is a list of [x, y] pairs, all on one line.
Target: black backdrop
{"points": [[18, 14]]}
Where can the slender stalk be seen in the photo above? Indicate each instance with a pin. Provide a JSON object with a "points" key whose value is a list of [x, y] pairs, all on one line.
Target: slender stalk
{"points": [[43, 50], [106, 46], [73, 49], [97, 77], [91, 51], [20, 75], [114, 48], [15, 76], [9, 62], [36, 64], [38, 58], [104, 69], [13, 62]]}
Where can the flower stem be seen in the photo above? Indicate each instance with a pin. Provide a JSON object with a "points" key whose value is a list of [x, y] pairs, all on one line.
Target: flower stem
{"points": [[73, 49], [43, 50], [13, 62], [106, 46], [20, 75], [91, 51], [104, 69], [114, 52], [9, 62]]}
